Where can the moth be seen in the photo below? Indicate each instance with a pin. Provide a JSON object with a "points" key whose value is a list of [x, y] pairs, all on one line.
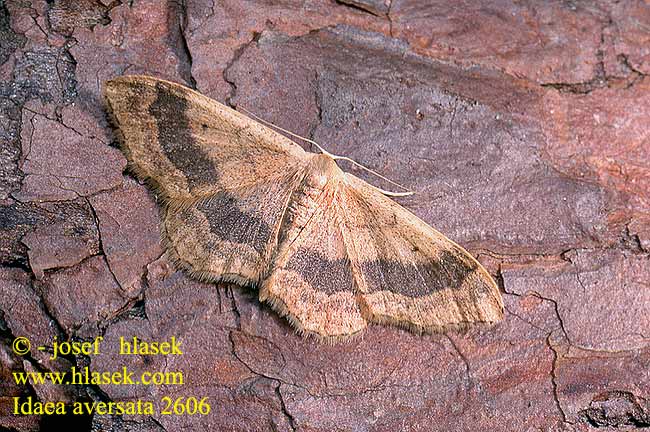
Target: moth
{"points": [[245, 204]]}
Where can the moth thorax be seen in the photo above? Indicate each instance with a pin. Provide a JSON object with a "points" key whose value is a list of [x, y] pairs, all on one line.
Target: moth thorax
{"points": [[321, 169]]}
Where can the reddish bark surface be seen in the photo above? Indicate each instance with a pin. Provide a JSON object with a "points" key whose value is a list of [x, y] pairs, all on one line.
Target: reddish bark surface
{"points": [[522, 128]]}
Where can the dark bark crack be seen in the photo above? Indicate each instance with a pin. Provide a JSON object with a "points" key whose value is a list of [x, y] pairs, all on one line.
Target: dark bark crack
{"points": [[471, 383], [101, 243], [632, 241], [519, 317], [558, 316], [279, 382], [556, 397], [184, 46], [359, 6], [390, 19], [617, 408], [318, 102], [236, 56], [283, 406], [58, 119], [601, 79]]}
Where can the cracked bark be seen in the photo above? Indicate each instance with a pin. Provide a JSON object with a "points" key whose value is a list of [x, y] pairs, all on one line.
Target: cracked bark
{"points": [[236, 54], [284, 407], [101, 246], [553, 380], [185, 55], [377, 8], [574, 277]]}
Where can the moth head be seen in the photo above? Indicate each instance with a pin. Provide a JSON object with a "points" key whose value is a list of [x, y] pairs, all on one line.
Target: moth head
{"points": [[322, 167]]}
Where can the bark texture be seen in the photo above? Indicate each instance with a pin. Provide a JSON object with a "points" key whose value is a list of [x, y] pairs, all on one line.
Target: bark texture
{"points": [[522, 127]]}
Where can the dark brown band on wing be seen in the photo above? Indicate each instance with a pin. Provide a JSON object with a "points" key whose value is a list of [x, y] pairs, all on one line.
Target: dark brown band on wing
{"points": [[176, 138], [418, 279], [229, 223], [322, 274]]}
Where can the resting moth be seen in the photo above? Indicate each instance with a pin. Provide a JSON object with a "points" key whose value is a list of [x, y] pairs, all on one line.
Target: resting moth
{"points": [[327, 250]]}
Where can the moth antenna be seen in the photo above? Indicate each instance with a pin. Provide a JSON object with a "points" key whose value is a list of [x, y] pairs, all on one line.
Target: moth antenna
{"points": [[385, 192], [321, 149], [336, 157]]}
